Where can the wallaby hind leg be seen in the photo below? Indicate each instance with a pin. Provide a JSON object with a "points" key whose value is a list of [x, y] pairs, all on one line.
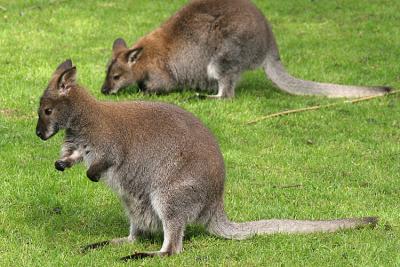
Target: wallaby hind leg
{"points": [[225, 68], [172, 244], [175, 209], [133, 234], [226, 88]]}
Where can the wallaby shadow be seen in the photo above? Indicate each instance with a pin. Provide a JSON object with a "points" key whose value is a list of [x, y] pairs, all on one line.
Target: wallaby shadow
{"points": [[108, 222], [255, 83], [58, 218], [191, 232]]}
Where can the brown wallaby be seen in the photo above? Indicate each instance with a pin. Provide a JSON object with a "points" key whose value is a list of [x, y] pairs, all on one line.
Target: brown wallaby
{"points": [[208, 44], [164, 164]]}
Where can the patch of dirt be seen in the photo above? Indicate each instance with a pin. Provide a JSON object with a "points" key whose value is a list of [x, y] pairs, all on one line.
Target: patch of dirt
{"points": [[15, 114], [7, 112]]}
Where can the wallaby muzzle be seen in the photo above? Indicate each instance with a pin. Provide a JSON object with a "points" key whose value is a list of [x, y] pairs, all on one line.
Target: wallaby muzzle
{"points": [[41, 131], [105, 89]]}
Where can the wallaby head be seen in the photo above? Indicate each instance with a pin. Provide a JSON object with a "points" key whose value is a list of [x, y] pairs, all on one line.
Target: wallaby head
{"points": [[54, 110], [124, 68]]}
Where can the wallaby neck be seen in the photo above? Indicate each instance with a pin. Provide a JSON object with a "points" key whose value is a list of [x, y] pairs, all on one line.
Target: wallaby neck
{"points": [[85, 111]]}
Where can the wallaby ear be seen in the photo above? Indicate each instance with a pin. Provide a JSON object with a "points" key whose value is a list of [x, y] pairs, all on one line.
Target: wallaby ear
{"points": [[66, 80], [118, 46], [67, 64], [133, 55]]}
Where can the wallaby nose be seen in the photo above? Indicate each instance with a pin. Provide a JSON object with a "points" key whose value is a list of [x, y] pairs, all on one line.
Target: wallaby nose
{"points": [[105, 90], [39, 133]]}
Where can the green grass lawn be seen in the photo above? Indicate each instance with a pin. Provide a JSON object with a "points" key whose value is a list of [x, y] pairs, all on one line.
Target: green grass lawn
{"points": [[345, 158]]}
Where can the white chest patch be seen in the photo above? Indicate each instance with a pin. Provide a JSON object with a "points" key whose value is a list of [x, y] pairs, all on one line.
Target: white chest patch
{"points": [[212, 71], [88, 155]]}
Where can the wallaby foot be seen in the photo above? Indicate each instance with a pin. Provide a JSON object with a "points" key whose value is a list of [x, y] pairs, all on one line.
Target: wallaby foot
{"points": [[172, 244], [142, 255], [196, 96]]}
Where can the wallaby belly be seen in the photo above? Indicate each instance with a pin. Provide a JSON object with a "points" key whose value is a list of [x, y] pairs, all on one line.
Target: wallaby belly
{"points": [[136, 200]]}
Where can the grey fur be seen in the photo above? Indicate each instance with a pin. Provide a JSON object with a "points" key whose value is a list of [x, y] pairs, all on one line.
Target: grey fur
{"points": [[165, 165], [209, 44]]}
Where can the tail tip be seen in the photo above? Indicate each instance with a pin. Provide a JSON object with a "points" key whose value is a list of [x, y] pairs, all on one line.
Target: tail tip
{"points": [[386, 89], [372, 221]]}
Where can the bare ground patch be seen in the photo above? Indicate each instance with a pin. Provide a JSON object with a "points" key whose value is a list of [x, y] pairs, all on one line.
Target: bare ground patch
{"points": [[15, 113]]}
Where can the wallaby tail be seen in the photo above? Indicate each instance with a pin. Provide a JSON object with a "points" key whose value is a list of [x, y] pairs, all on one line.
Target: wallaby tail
{"points": [[221, 226], [283, 80]]}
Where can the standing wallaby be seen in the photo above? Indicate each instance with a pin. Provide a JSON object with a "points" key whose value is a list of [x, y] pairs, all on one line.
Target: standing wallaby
{"points": [[208, 44], [162, 161]]}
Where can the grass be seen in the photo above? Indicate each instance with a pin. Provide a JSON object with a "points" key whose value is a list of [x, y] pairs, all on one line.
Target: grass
{"points": [[346, 158]]}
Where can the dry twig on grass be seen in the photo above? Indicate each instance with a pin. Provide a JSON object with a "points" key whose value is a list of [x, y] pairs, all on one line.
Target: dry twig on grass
{"points": [[287, 112], [287, 186]]}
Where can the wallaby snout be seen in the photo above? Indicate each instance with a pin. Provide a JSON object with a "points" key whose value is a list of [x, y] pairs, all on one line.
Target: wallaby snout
{"points": [[39, 133], [45, 130], [105, 89]]}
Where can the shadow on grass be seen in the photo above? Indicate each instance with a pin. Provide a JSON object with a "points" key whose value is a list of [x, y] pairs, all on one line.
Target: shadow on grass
{"points": [[256, 83], [106, 223]]}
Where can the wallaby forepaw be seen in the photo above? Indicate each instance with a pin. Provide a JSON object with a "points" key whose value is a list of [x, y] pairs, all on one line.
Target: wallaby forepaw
{"points": [[61, 165], [94, 177], [196, 96]]}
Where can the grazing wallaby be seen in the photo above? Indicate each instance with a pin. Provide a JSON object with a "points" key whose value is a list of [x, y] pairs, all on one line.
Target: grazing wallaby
{"points": [[161, 160], [208, 44]]}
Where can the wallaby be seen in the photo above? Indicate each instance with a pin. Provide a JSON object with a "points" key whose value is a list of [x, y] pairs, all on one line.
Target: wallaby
{"points": [[206, 45], [165, 165]]}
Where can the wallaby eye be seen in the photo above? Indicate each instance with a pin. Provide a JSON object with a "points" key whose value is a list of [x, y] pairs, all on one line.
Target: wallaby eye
{"points": [[48, 111], [116, 77]]}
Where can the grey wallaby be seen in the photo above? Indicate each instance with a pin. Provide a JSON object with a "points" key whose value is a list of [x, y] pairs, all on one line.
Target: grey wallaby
{"points": [[165, 165], [207, 45]]}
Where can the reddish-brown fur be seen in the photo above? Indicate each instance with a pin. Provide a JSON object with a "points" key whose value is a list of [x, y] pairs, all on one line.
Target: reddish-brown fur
{"points": [[207, 45]]}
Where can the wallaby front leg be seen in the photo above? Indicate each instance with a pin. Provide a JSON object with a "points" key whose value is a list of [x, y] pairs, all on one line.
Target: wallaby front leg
{"points": [[96, 169], [69, 156]]}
